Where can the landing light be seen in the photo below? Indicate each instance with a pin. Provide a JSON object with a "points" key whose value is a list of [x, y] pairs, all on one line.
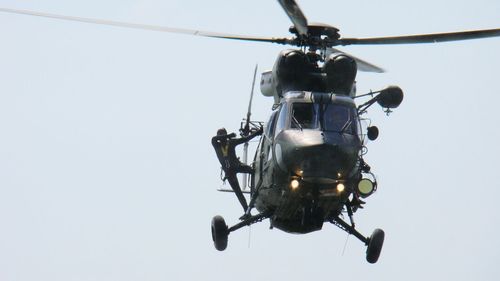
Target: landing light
{"points": [[340, 187], [294, 184], [366, 187]]}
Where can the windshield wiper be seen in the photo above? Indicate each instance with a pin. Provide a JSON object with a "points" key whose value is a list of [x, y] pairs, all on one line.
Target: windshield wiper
{"points": [[296, 122], [346, 125]]}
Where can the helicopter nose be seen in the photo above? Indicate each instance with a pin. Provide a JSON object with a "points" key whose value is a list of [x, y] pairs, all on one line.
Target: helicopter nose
{"points": [[316, 155]]}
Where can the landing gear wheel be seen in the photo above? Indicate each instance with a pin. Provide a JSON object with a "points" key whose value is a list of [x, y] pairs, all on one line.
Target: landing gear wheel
{"points": [[219, 233], [375, 245]]}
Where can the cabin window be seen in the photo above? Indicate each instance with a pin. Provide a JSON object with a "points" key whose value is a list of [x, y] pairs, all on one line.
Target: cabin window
{"points": [[303, 116]]}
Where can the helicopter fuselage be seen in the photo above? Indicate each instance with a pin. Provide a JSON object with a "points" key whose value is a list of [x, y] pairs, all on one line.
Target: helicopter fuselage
{"points": [[308, 160]]}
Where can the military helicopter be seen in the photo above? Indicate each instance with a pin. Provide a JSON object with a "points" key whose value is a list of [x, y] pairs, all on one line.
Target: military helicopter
{"points": [[309, 166]]}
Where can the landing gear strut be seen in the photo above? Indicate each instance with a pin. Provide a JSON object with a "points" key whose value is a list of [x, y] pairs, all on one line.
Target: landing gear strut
{"points": [[374, 243], [220, 230]]}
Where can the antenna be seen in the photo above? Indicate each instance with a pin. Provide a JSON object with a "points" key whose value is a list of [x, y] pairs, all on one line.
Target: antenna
{"points": [[249, 112], [246, 129]]}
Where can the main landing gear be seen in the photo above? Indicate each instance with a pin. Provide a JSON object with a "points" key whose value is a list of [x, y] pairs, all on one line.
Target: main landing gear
{"points": [[219, 233], [220, 230], [374, 243]]}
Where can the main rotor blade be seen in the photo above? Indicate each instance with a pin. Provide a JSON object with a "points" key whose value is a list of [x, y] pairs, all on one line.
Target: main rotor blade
{"points": [[149, 27], [362, 64], [295, 14], [422, 38]]}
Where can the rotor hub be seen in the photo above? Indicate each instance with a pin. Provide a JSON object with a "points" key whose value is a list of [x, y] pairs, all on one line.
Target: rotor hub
{"points": [[319, 35]]}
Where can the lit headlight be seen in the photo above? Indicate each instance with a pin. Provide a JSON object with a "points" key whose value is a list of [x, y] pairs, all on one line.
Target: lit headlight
{"points": [[294, 184], [340, 187]]}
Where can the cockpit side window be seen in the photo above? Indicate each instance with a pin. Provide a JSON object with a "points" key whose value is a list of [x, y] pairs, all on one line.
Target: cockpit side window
{"points": [[303, 116], [271, 125], [282, 119]]}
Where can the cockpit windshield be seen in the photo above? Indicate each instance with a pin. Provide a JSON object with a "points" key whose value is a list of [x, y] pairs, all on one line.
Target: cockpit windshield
{"points": [[327, 117], [304, 116], [339, 118]]}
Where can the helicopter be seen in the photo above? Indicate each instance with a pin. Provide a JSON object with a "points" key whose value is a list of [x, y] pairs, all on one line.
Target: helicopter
{"points": [[293, 185], [308, 165]]}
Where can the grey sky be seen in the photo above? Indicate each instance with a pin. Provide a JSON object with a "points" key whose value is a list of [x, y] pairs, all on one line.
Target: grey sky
{"points": [[106, 167]]}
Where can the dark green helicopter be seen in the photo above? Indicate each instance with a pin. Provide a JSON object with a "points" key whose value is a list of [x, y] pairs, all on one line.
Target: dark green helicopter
{"points": [[309, 166]]}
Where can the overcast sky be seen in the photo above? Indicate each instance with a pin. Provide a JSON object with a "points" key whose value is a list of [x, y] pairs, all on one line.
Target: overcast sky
{"points": [[106, 167]]}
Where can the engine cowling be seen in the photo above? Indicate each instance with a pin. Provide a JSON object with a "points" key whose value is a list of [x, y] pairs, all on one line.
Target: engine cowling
{"points": [[295, 70], [340, 73], [292, 70]]}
